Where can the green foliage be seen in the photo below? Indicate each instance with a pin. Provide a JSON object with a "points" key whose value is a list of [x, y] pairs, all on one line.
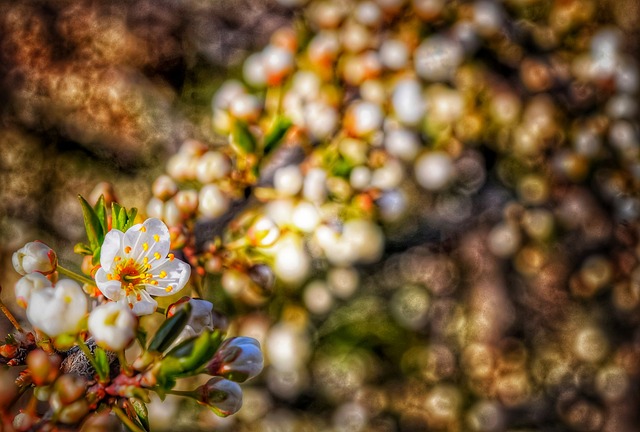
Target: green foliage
{"points": [[170, 329]]}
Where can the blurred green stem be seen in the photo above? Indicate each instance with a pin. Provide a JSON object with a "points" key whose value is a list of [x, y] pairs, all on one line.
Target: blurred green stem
{"points": [[74, 275]]}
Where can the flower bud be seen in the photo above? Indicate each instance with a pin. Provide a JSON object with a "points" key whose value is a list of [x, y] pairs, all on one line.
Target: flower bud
{"points": [[201, 317], [35, 257], [212, 166], [28, 284], [222, 396], [164, 187], [58, 310], [278, 63], [44, 368], [69, 388], [238, 359], [213, 202], [288, 180], [263, 233], [113, 326], [186, 201]]}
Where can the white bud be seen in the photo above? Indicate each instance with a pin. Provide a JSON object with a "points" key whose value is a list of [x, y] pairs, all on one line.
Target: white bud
{"points": [[27, 284], [238, 359], [388, 176], [343, 281], [306, 84], [224, 397], [368, 13], [213, 202], [292, 264], [288, 180], [253, 70], [279, 211], [363, 118], [113, 326], [227, 92], [278, 63], [171, 214], [155, 208], [164, 187], [321, 120], [305, 217], [437, 58], [408, 102], [186, 201], [58, 310], [392, 205], [181, 166], [34, 257], [246, 107], [263, 232], [360, 177], [402, 143], [212, 165], [434, 170], [365, 238], [317, 297], [315, 187], [394, 54]]}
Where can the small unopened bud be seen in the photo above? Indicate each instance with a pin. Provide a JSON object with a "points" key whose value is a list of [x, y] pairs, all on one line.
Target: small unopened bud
{"points": [[263, 277], [44, 368], [263, 233], [164, 187], [238, 359], [23, 421], [222, 396], [35, 257], [69, 388], [75, 412]]}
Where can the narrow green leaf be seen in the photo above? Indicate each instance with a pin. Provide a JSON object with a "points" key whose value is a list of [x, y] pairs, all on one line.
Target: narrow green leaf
{"points": [[82, 249], [141, 335], [189, 356], [276, 133], [101, 211], [141, 411], [95, 233], [242, 139], [131, 218], [102, 362], [96, 255], [118, 216], [170, 329]]}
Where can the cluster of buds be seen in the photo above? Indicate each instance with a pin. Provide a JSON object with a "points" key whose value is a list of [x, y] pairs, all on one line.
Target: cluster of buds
{"points": [[75, 354], [419, 120]]}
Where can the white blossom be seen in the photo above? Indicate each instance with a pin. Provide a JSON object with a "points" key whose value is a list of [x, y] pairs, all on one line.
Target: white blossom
{"points": [[35, 257], [113, 326], [137, 264]]}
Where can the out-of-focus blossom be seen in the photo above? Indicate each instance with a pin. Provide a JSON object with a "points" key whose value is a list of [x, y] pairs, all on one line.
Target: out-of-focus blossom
{"points": [[238, 359], [58, 310], [113, 326], [27, 285], [222, 396]]}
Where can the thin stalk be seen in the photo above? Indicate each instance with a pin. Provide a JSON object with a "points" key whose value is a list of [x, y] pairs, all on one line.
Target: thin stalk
{"points": [[10, 316], [74, 275], [126, 420], [124, 366]]}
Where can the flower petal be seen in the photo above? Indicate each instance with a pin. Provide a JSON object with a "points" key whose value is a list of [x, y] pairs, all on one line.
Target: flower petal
{"points": [[147, 239], [111, 247], [145, 306], [111, 289], [176, 275]]}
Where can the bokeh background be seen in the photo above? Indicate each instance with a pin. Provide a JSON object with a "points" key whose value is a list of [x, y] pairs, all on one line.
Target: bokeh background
{"points": [[442, 334]]}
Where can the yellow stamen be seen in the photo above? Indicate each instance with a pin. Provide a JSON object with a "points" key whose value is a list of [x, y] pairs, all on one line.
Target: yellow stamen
{"points": [[117, 258], [127, 249], [157, 256], [109, 277], [145, 246], [171, 256], [156, 237], [154, 282], [168, 289], [163, 274], [145, 260], [143, 228]]}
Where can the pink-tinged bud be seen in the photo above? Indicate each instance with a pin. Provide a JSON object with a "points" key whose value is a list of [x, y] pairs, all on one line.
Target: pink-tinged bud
{"points": [[44, 368], [238, 359], [222, 396], [35, 257]]}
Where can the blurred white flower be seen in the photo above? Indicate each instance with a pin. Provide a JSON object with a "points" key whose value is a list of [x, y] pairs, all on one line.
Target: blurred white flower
{"points": [[137, 264], [113, 326], [58, 310]]}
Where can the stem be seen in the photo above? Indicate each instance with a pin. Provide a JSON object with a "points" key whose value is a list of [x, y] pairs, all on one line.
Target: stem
{"points": [[89, 355], [124, 366], [10, 316], [183, 393], [74, 275], [126, 420]]}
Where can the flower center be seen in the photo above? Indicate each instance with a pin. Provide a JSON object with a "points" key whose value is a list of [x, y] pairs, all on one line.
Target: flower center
{"points": [[131, 274]]}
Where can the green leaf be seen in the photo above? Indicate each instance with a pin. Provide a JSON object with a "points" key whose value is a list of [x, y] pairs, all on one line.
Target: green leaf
{"points": [[189, 356], [118, 216], [141, 335], [170, 329], [96, 255], [101, 211], [82, 249], [276, 133], [242, 139], [141, 411], [93, 226], [131, 218], [102, 362]]}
